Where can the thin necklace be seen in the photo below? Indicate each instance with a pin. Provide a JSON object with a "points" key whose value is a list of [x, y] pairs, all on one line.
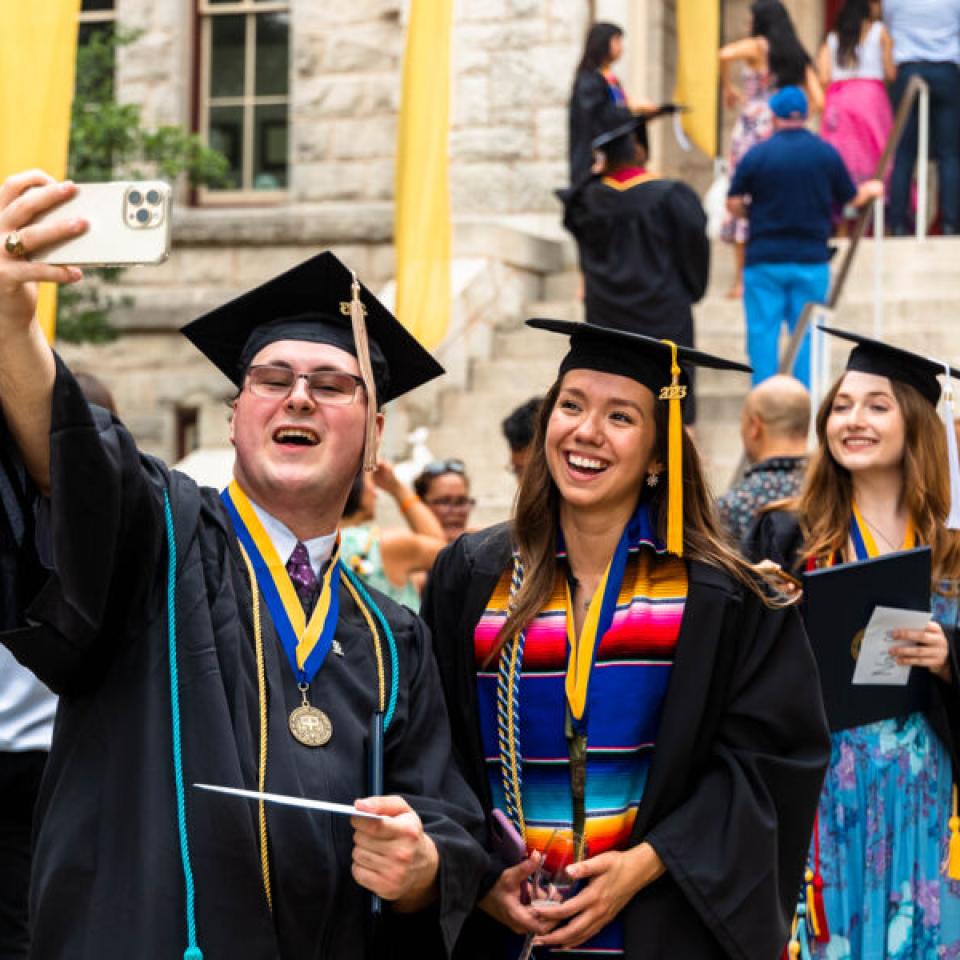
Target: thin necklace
{"points": [[879, 532]]}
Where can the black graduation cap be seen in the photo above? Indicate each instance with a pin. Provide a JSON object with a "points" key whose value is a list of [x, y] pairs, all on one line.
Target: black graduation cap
{"points": [[312, 302], [658, 365], [620, 122], [874, 356], [319, 301], [904, 366]]}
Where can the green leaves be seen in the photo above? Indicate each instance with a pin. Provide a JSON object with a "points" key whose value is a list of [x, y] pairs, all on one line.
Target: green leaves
{"points": [[108, 140]]}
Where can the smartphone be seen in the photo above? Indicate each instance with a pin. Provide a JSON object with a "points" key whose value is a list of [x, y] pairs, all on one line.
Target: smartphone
{"points": [[505, 839], [129, 224]]}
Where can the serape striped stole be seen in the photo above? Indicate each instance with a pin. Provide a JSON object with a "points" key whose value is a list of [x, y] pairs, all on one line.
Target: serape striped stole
{"points": [[627, 688]]}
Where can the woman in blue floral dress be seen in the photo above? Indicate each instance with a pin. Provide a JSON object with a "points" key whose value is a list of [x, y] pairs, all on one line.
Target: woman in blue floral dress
{"points": [[879, 483]]}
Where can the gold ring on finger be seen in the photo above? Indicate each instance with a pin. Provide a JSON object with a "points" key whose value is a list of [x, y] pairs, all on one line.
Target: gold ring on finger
{"points": [[13, 244]]}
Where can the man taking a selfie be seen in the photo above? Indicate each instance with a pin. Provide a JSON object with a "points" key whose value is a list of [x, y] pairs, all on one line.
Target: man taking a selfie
{"points": [[204, 637]]}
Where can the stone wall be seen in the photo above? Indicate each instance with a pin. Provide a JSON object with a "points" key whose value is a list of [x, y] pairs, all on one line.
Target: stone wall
{"points": [[513, 64]]}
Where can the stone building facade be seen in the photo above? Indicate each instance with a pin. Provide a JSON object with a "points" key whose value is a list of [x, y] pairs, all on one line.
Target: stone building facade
{"points": [[513, 62]]}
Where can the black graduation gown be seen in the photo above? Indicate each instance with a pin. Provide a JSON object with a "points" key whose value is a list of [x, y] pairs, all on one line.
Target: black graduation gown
{"points": [[591, 111], [776, 535], [107, 879], [733, 786], [644, 253]]}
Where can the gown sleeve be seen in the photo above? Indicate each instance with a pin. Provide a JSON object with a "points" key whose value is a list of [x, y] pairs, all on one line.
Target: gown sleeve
{"points": [[737, 845], [774, 535], [420, 766], [691, 245], [104, 524]]}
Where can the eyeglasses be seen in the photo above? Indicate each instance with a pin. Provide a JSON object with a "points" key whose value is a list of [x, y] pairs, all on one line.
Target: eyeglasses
{"points": [[325, 386], [451, 503], [436, 468]]}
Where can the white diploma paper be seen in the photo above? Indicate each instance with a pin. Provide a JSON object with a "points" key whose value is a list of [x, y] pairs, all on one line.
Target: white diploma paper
{"points": [[343, 809], [875, 666]]}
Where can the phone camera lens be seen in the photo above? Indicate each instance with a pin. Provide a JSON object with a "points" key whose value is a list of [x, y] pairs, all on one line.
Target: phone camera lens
{"points": [[153, 197], [135, 197], [143, 215]]}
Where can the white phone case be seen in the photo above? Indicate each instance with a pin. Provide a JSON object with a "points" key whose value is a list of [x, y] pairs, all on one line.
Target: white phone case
{"points": [[129, 223]]}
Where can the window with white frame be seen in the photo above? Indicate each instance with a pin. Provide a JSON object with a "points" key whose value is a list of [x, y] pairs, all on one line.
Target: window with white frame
{"points": [[244, 91]]}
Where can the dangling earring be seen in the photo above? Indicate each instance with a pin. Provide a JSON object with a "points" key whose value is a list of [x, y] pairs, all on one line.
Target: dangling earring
{"points": [[653, 479]]}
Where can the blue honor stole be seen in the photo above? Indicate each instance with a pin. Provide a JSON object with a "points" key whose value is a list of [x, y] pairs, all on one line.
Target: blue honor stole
{"points": [[306, 643]]}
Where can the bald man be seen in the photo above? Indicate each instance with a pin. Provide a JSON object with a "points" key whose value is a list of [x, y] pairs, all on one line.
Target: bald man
{"points": [[773, 427]]}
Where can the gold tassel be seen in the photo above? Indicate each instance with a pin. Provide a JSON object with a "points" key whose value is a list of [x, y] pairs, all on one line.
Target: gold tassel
{"points": [[811, 906], [674, 394], [953, 855], [357, 311]]}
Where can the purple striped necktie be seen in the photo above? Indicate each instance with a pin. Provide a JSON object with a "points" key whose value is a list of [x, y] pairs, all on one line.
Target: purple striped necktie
{"points": [[302, 576]]}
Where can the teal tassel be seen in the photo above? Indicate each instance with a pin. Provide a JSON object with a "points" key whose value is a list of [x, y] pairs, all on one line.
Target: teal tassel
{"points": [[193, 953]]}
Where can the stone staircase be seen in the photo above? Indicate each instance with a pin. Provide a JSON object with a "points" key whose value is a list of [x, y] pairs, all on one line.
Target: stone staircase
{"points": [[921, 310]]}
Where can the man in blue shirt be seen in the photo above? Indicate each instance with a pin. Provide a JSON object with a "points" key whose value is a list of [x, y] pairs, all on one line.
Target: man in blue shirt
{"points": [[926, 43], [788, 186]]}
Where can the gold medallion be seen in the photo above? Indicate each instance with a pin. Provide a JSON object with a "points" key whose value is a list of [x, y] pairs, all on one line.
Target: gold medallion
{"points": [[310, 726]]}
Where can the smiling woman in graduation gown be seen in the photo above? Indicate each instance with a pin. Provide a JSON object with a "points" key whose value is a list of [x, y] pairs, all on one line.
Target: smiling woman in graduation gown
{"points": [[727, 798], [878, 483], [109, 877]]}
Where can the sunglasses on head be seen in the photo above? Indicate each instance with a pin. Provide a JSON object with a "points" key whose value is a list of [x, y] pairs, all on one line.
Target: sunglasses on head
{"points": [[436, 468]]}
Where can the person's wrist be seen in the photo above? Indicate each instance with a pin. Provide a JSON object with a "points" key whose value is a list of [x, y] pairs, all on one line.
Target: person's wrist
{"points": [[645, 867], [406, 499]]}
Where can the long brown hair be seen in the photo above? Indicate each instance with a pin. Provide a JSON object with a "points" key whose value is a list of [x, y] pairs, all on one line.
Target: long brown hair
{"points": [[536, 517], [826, 500]]}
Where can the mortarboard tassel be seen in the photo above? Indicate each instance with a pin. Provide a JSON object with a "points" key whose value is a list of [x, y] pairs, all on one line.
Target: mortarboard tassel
{"points": [[817, 911], [673, 395], [953, 519], [359, 323], [953, 851]]}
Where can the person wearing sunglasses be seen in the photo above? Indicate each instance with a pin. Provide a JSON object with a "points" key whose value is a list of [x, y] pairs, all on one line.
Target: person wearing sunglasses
{"points": [[391, 559], [444, 487]]}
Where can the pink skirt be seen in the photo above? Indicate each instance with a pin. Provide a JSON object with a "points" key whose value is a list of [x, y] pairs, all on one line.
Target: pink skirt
{"points": [[857, 120]]}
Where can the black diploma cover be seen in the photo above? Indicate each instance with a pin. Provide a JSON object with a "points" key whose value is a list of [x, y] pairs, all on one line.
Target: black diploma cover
{"points": [[837, 605]]}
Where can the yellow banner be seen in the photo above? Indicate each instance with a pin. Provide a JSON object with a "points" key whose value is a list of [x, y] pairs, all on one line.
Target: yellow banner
{"points": [[422, 227], [698, 39], [38, 48]]}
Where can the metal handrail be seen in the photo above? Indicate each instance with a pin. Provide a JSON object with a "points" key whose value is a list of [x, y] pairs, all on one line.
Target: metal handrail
{"points": [[915, 85]]}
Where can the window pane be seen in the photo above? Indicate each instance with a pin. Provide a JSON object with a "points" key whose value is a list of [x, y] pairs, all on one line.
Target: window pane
{"points": [[227, 56], [102, 28], [270, 147], [96, 5], [272, 53], [226, 135]]}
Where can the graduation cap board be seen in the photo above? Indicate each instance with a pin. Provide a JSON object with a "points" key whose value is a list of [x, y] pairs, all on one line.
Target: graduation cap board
{"points": [[884, 360], [318, 301], [656, 364], [623, 122], [838, 602]]}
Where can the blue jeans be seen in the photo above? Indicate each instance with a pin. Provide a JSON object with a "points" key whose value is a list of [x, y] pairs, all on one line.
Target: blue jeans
{"points": [[775, 294], [944, 82]]}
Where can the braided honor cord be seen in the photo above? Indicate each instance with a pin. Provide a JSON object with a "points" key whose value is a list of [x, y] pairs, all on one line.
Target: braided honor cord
{"points": [[508, 712]]}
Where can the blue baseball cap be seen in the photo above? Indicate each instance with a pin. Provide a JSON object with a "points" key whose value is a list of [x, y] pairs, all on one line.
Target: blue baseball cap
{"points": [[789, 103]]}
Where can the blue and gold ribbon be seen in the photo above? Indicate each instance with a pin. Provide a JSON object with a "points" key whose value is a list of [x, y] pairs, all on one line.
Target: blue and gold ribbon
{"points": [[582, 650], [862, 539], [306, 643]]}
